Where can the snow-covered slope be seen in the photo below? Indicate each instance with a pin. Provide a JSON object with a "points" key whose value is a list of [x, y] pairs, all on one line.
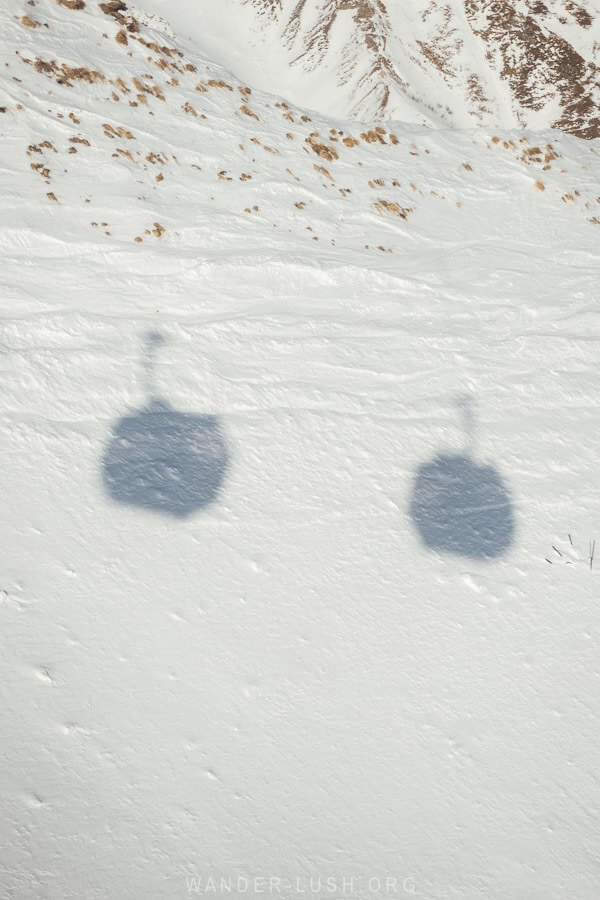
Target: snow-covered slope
{"points": [[458, 63], [293, 412]]}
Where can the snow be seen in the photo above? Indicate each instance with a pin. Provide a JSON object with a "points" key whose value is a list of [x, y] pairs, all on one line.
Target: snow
{"points": [[282, 679]]}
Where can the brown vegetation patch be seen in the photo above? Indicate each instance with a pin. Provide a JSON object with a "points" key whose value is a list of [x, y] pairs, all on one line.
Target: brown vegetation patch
{"points": [[112, 132], [41, 169], [121, 152], [71, 4], [164, 50], [116, 8], [323, 171], [383, 206], [532, 155], [325, 151], [214, 83], [372, 136], [63, 73], [248, 112]]}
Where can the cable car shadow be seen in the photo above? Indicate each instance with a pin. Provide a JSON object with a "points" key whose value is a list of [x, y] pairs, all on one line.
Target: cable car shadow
{"points": [[461, 506], [164, 460]]}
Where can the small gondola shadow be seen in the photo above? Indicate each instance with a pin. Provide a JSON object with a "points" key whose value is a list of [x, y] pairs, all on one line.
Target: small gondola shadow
{"points": [[164, 460], [460, 506]]}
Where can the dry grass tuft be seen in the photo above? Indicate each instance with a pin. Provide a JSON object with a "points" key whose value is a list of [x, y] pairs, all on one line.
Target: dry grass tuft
{"points": [[325, 151], [323, 171], [41, 169], [540, 186], [189, 109], [155, 158], [248, 112], [122, 152], [214, 83], [372, 136], [71, 4], [383, 206], [63, 73], [28, 22], [158, 229], [116, 8]]}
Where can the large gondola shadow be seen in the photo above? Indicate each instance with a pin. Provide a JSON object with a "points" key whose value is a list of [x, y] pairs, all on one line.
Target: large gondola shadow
{"points": [[461, 506], [163, 460]]}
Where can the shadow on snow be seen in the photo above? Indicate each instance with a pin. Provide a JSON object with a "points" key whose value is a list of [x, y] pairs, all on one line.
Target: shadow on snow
{"points": [[163, 460], [460, 506]]}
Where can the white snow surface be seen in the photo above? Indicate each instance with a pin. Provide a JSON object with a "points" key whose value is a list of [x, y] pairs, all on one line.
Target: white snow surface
{"points": [[289, 682]]}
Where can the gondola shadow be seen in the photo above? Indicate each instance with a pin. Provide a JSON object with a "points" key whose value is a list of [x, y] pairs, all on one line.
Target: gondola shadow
{"points": [[461, 506], [161, 459]]}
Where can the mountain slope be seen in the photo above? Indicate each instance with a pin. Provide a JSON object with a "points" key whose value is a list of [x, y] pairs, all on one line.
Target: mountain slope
{"points": [[374, 348], [79, 113], [462, 63]]}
